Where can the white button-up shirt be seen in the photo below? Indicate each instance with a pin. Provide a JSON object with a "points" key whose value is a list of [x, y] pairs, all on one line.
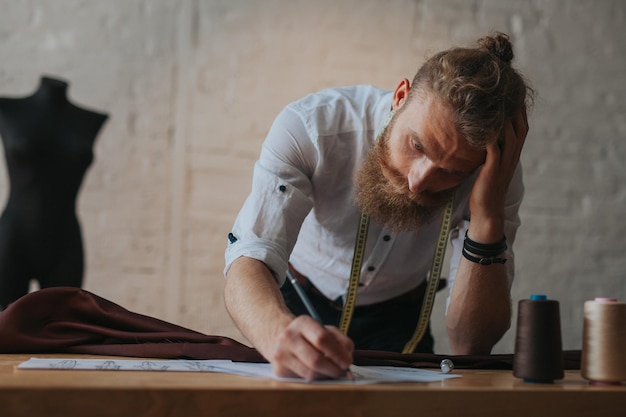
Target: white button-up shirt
{"points": [[301, 208]]}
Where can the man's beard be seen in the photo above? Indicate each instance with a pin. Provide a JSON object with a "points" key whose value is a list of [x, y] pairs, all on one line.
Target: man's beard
{"points": [[383, 193]]}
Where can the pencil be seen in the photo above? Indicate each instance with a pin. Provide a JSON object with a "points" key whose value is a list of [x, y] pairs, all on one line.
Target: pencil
{"points": [[309, 307], [305, 299]]}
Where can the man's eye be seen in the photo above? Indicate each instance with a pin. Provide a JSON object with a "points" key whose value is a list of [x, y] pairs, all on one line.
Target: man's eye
{"points": [[416, 145]]}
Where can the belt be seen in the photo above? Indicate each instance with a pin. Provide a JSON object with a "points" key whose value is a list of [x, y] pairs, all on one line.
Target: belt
{"points": [[413, 296]]}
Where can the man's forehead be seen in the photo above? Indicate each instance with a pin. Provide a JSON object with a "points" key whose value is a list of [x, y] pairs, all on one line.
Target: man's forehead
{"points": [[455, 162], [431, 125]]}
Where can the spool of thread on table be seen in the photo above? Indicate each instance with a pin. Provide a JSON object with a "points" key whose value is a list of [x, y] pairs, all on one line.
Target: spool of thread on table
{"points": [[538, 351], [604, 341]]}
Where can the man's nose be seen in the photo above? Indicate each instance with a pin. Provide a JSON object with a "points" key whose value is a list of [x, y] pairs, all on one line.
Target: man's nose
{"points": [[420, 176]]}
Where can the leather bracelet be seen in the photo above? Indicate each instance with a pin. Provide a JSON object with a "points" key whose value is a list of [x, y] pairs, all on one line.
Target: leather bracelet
{"points": [[487, 250], [483, 261]]}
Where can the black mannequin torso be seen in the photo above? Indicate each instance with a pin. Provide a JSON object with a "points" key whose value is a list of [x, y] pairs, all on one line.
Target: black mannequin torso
{"points": [[48, 148]]}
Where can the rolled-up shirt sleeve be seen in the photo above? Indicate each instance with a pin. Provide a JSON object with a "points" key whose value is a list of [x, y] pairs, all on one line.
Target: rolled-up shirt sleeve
{"points": [[268, 224]]}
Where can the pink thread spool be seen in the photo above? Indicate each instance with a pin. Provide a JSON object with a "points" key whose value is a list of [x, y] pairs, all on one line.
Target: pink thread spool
{"points": [[604, 341]]}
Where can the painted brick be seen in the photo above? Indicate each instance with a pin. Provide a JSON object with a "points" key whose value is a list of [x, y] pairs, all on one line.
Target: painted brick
{"points": [[192, 88]]}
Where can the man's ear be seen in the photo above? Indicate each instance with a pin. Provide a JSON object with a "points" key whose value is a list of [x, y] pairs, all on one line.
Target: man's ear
{"points": [[401, 94]]}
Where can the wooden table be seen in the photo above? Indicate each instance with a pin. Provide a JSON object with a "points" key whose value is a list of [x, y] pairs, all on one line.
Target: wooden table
{"points": [[482, 393]]}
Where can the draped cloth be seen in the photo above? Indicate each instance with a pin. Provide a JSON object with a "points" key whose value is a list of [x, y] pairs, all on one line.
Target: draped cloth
{"points": [[75, 321]]}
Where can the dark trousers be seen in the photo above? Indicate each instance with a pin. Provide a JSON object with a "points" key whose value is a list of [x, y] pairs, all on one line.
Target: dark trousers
{"points": [[386, 326]]}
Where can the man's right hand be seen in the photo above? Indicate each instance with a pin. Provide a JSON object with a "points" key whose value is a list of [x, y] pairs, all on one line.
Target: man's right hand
{"points": [[309, 350], [295, 346]]}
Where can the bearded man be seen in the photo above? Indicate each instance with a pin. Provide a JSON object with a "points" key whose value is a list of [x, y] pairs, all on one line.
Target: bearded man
{"points": [[446, 144]]}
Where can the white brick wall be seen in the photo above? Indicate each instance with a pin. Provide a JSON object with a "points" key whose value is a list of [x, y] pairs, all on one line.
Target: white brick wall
{"points": [[192, 86]]}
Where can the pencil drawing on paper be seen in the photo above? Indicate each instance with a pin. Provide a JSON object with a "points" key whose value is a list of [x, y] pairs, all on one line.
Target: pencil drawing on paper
{"points": [[64, 364], [152, 366], [109, 365]]}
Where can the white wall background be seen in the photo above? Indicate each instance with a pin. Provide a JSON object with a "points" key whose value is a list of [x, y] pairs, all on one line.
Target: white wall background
{"points": [[192, 86]]}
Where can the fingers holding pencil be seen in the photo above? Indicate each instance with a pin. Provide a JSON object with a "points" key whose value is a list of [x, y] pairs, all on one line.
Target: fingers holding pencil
{"points": [[312, 351]]}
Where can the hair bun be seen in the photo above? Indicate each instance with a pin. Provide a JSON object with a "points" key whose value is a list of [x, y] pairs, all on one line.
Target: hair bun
{"points": [[499, 45]]}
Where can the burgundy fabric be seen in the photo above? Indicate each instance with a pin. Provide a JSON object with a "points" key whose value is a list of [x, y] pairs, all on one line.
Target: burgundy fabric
{"points": [[73, 320]]}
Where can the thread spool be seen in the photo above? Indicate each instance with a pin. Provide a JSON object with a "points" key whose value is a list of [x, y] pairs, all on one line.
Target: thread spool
{"points": [[604, 341], [538, 352]]}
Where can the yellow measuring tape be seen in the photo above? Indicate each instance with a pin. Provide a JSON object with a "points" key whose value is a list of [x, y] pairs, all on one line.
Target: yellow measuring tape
{"points": [[431, 289], [355, 274]]}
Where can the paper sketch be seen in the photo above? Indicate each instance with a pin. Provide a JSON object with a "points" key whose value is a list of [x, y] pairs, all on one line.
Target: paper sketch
{"points": [[362, 374]]}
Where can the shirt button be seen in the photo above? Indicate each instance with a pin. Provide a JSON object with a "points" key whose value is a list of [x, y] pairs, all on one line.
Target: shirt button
{"points": [[371, 268], [386, 238]]}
